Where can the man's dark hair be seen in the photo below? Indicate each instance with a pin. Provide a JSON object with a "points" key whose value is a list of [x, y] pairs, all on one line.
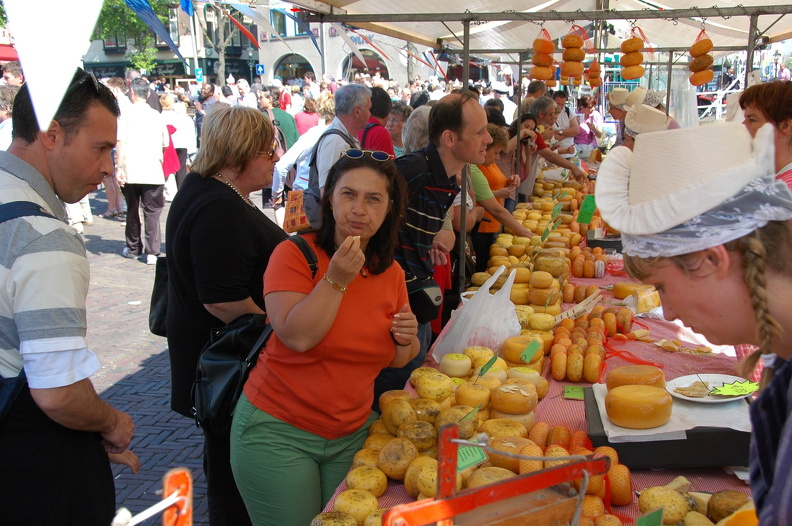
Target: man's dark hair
{"points": [[139, 87], [560, 94], [495, 116], [418, 99], [380, 103], [310, 76], [226, 91], [84, 92], [447, 114], [494, 103], [535, 86]]}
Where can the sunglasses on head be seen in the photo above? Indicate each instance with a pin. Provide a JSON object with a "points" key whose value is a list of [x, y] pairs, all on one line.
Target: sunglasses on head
{"points": [[87, 77], [374, 154]]}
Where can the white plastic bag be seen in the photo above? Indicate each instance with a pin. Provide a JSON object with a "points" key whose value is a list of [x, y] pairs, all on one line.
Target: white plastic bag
{"points": [[485, 319]]}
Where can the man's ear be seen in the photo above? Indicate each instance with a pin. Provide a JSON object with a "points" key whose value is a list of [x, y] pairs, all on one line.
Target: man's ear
{"points": [[52, 135], [449, 138]]}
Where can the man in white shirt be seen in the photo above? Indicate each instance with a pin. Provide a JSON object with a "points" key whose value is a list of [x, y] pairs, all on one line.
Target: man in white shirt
{"points": [[566, 126], [246, 97], [501, 92]]}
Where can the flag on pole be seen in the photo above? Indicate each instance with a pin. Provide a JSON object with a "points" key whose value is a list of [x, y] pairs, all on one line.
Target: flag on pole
{"points": [[147, 14], [187, 7]]}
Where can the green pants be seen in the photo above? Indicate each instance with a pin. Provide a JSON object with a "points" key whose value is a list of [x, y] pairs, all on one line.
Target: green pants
{"points": [[286, 475]]}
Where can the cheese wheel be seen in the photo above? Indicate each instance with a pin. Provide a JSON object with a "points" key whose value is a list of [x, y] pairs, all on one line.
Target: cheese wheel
{"points": [[541, 73], [542, 45], [699, 78], [514, 346], [635, 375], [541, 279], [631, 59], [510, 446], [632, 72], [550, 83], [521, 275], [334, 518], [574, 54], [514, 399], [435, 386], [426, 410], [638, 406], [572, 40], [631, 45], [488, 475], [479, 354], [701, 63], [595, 83], [549, 296], [542, 59], [527, 419], [701, 47], [455, 364], [623, 289], [501, 427], [473, 394], [552, 310], [572, 69]]}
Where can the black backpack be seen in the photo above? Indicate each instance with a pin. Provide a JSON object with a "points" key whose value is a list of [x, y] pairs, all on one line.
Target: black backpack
{"points": [[312, 195]]}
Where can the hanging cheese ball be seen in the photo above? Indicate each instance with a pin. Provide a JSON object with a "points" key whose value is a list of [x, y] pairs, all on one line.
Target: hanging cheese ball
{"points": [[572, 40], [541, 73], [542, 45], [699, 78], [572, 69], [631, 45], [631, 59], [542, 59], [574, 54], [701, 47], [632, 72], [701, 63]]}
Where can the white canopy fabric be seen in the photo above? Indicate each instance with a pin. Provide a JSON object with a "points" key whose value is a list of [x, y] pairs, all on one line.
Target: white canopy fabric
{"points": [[671, 33]]}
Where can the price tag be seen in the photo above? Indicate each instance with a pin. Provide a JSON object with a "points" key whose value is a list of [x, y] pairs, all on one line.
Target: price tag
{"points": [[470, 456], [736, 389], [556, 210], [471, 414], [487, 366], [580, 308], [587, 209], [573, 392], [545, 234], [653, 518], [528, 354]]}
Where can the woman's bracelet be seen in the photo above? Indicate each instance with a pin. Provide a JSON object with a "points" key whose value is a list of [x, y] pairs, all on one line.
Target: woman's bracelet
{"points": [[335, 285]]}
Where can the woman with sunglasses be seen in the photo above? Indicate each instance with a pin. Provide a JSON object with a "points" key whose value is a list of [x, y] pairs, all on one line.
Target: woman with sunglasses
{"points": [[306, 407], [219, 244]]}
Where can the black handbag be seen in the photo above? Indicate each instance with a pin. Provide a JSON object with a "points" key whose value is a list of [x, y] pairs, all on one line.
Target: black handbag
{"points": [[227, 359], [158, 309]]}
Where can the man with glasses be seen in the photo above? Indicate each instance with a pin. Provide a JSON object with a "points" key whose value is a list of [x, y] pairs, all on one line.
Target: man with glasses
{"points": [[55, 439], [142, 140]]}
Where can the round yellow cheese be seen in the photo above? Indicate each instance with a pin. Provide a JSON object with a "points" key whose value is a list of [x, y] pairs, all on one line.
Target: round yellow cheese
{"points": [[638, 406], [635, 375], [455, 364]]}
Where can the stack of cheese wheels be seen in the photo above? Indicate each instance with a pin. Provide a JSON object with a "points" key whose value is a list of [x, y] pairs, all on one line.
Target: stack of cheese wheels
{"points": [[564, 80], [544, 293], [572, 67], [519, 292], [632, 59], [514, 400], [513, 348], [542, 59], [702, 60], [594, 73], [638, 406], [635, 375]]}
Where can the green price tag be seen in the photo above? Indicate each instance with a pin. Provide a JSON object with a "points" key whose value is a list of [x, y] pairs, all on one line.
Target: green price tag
{"points": [[556, 210], [573, 392], [557, 194], [587, 209], [653, 518], [471, 414], [487, 365], [545, 234], [528, 354], [470, 456], [556, 223], [736, 389]]}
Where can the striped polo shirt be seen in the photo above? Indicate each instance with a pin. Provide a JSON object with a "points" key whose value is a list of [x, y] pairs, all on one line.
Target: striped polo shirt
{"points": [[45, 276], [431, 193]]}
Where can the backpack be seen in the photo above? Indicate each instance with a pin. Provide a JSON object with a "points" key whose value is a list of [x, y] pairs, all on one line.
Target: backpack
{"points": [[280, 149], [365, 132], [312, 195]]}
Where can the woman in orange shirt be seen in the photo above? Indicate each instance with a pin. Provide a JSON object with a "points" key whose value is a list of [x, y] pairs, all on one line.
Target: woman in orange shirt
{"points": [[306, 407]]}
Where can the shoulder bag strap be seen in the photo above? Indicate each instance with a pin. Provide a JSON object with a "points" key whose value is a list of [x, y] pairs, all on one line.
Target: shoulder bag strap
{"points": [[365, 132], [313, 263], [17, 209], [313, 177]]}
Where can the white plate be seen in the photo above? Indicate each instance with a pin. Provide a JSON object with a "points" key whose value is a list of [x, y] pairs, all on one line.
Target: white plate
{"points": [[714, 381]]}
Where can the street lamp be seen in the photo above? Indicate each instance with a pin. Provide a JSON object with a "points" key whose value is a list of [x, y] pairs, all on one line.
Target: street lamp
{"points": [[776, 59], [250, 62]]}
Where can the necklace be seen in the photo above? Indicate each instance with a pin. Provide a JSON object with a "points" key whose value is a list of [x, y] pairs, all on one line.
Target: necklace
{"points": [[232, 187]]}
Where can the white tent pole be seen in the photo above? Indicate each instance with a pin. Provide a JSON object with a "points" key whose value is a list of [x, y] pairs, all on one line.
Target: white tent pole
{"points": [[466, 169], [668, 82]]}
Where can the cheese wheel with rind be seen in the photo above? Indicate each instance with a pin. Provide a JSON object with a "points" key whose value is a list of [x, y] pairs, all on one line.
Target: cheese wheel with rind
{"points": [[632, 72], [701, 63], [541, 73], [572, 69], [572, 40], [456, 364], [632, 45], [574, 54], [635, 375], [699, 78], [542, 59], [701, 47], [542, 45], [638, 406], [631, 59]]}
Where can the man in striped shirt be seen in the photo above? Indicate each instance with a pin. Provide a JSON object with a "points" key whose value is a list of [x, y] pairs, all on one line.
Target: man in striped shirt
{"points": [[458, 136], [55, 439]]}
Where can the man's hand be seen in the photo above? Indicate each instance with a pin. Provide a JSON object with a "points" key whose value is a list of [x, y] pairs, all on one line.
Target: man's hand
{"points": [[439, 254], [579, 175], [118, 437]]}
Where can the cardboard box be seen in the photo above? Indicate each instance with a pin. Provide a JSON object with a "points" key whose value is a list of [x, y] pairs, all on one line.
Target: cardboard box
{"points": [[704, 447]]}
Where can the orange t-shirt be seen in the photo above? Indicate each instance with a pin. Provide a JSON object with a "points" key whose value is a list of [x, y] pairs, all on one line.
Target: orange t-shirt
{"points": [[328, 390], [496, 181]]}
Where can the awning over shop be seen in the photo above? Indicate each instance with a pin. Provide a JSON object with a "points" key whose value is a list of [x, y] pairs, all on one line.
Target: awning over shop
{"points": [[8, 53]]}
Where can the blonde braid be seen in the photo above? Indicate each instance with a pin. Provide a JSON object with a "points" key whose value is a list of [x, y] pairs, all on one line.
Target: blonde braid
{"points": [[754, 273]]}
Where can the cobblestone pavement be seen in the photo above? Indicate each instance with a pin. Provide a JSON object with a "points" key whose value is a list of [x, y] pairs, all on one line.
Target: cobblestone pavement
{"points": [[135, 376]]}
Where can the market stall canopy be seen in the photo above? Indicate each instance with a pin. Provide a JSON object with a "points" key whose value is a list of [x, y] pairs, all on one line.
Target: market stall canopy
{"points": [[508, 25], [8, 53]]}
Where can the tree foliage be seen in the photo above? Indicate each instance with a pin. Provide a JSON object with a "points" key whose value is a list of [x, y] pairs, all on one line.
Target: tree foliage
{"points": [[117, 20]]}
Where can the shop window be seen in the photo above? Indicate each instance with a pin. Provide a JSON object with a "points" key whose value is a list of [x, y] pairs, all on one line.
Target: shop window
{"points": [[115, 44], [278, 21], [172, 25]]}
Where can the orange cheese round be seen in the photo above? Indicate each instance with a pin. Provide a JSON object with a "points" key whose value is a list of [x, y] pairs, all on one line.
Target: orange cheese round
{"points": [[572, 40], [632, 72], [638, 406], [635, 375], [699, 78]]}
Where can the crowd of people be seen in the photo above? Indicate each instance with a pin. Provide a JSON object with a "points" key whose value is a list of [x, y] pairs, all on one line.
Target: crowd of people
{"points": [[383, 167]]}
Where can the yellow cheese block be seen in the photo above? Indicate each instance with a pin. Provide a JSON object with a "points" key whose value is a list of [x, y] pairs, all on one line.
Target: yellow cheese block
{"points": [[646, 298], [624, 289]]}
